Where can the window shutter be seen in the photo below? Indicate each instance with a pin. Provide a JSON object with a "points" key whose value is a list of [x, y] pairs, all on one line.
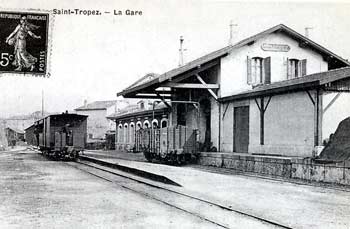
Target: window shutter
{"points": [[267, 70], [288, 73], [249, 70], [303, 67]]}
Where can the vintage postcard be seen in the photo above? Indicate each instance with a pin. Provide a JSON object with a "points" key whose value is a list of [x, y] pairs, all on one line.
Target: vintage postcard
{"points": [[175, 114]]}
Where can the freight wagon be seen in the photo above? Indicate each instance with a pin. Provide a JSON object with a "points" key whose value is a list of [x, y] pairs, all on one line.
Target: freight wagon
{"points": [[61, 136], [175, 145]]}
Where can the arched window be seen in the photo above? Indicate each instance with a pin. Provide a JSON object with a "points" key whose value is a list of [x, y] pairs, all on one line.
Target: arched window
{"points": [[120, 133], [138, 125], [155, 123], [146, 124], [126, 133], [164, 123], [132, 133]]}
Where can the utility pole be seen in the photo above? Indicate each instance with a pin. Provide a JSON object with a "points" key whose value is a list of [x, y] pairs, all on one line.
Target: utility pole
{"points": [[230, 42], [181, 51], [42, 103]]}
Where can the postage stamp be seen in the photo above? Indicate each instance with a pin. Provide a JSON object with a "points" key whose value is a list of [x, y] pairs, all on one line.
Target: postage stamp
{"points": [[24, 40]]}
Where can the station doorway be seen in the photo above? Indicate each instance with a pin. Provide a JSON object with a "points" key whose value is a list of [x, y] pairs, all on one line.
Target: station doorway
{"points": [[241, 129]]}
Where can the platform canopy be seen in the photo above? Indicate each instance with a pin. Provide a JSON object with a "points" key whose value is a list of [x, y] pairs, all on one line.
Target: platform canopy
{"points": [[161, 86], [337, 80]]}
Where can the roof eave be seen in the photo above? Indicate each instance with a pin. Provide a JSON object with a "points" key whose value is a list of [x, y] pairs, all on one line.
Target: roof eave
{"points": [[89, 109], [181, 70], [272, 91], [133, 90], [127, 115]]}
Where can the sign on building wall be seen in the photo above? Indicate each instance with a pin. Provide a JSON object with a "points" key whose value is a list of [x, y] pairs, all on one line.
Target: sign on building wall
{"points": [[275, 47]]}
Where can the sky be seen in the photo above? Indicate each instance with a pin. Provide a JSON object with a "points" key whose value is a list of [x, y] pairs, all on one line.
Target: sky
{"points": [[94, 57]]}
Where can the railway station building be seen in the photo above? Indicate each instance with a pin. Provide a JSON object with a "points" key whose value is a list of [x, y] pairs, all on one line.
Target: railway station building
{"points": [[275, 93]]}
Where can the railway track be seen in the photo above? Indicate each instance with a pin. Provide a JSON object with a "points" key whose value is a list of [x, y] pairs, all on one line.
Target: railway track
{"points": [[216, 214]]}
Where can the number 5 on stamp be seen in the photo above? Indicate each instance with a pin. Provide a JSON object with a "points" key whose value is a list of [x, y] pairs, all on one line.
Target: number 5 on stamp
{"points": [[24, 42]]}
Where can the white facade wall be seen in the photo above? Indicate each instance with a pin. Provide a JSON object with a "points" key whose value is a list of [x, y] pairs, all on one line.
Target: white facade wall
{"points": [[288, 125], [226, 140], [289, 118], [234, 66], [97, 123], [111, 110]]}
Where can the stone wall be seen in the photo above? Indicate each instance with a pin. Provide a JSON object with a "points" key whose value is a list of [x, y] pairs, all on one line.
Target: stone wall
{"points": [[305, 169], [283, 167]]}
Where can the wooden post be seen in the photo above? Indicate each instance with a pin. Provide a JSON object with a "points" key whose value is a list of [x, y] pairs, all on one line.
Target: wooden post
{"points": [[219, 140], [262, 108], [318, 118], [262, 114]]}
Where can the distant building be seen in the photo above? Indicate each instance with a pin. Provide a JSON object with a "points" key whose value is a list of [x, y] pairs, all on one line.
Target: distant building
{"points": [[18, 122], [14, 135], [97, 123], [144, 114]]}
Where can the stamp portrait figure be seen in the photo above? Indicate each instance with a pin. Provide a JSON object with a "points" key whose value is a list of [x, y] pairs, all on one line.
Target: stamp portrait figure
{"points": [[18, 39]]}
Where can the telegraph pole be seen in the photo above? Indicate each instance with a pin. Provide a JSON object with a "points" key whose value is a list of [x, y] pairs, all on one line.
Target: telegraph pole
{"points": [[42, 103]]}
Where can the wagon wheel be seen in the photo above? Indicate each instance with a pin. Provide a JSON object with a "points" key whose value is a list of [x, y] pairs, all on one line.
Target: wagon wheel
{"points": [[180, 159], [74, 155], [147, 156], [174, 158]]}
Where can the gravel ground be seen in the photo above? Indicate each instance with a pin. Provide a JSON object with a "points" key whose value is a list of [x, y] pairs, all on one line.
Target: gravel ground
{"points": [[38, 193]]}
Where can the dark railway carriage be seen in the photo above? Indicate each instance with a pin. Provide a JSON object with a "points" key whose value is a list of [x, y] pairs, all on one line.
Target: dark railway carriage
{"points": [[61, 136], [175, 145]]}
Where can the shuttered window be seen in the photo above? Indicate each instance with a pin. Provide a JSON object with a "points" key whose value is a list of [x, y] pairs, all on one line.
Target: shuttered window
{"points": [[267, 70], [296, 68], [258, 70]]}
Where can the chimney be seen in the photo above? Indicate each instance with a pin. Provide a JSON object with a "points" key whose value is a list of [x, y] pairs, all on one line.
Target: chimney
{"points": [[230, 41], [181, 51], [307, 29]]}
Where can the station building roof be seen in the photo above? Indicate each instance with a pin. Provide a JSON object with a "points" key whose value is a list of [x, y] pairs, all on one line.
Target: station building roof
{"points": [[135, 110], [97, 105], [149, 85]]}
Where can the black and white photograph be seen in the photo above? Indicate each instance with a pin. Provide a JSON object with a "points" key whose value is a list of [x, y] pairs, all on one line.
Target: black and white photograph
{"points": [[174, 114]]}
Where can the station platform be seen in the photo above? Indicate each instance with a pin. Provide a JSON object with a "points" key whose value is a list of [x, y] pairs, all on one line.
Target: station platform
{"points": [[277, 167], [116, 154], [298, 206]]}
